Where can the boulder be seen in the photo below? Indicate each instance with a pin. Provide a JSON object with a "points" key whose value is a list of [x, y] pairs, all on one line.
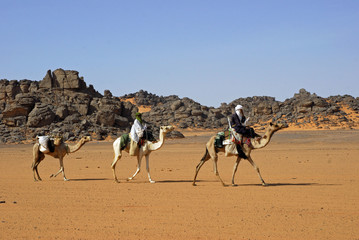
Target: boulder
{"points": [[263, 108], [174, 134], [320, 102], [25, 85], [176, 105], [62, 112], [106, 118], [196, 112], [47, 81], [14, 110], [68, 79], [107, 94], [40, 116], [73, 118], [25, 99], [306, 103], [121, 121], [12, 89], [63, 79]]}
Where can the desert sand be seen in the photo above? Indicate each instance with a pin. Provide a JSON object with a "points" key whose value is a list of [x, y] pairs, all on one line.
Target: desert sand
{"points": [[312, 192]]}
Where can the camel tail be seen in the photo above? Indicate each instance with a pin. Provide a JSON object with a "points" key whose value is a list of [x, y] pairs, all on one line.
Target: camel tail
{"points": [[204, 158]]}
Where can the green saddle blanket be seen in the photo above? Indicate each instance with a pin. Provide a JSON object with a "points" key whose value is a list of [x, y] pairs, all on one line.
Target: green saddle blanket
{"points": [[125, 139]]}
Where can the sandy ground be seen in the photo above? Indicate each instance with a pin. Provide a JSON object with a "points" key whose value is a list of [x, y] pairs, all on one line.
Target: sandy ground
{"points": [[313, 192]]}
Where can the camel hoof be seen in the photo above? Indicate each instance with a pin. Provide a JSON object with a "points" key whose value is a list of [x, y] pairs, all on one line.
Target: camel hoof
{"points": [[152, 181], [265, 184], [128, 179], [234, 185], [194, 184], [116, 181], [65, 179]]}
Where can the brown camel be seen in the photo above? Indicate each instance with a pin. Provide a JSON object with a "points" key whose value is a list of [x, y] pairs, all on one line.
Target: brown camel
{"points": [[61, 149], [230, 150], [144, 150]]}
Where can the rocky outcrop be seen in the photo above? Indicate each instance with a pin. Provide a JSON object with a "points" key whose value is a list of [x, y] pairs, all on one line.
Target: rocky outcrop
{"points": [[64, 79], [303, 110], [62, 102]]}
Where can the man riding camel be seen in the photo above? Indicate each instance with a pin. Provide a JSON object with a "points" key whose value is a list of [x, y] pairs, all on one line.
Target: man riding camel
{"points": [[239, 123], [137, 132]]}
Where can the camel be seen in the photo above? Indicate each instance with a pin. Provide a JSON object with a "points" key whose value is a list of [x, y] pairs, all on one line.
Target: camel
{"points": [[230, 150], [144, 150], [61, 149]]}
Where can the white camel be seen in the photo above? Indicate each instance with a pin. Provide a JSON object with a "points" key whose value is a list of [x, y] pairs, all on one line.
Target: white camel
{"points": [[144, 150]]}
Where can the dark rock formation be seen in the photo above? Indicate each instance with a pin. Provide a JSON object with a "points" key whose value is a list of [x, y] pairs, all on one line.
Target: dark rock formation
{"points": [[61, 102], [304, 109]]}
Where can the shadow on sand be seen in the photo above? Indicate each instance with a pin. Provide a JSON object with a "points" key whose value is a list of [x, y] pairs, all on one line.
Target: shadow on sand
{"points": [[212, 181], [89, 179], [285, 184], [184, 181]]}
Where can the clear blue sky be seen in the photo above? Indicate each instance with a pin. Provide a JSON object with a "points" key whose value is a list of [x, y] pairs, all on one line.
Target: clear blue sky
{"points": [[210, 51]]}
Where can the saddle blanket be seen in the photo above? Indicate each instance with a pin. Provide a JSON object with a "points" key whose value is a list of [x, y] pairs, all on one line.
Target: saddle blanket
{"points": [[233, 140]]}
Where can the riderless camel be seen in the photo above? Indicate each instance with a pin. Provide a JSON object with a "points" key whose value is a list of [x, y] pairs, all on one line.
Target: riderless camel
{"points": [[60, 150]]}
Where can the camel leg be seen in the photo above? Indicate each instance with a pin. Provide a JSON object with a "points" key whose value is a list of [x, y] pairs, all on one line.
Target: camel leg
{"points": [[34, 167], [37, 172], [63, 170], [139, 158], [60, 170], [235, 170], [148, 168], [37, 158], [113, 166], [200, 164], [204, 159], [256, 168], [216, 171]]}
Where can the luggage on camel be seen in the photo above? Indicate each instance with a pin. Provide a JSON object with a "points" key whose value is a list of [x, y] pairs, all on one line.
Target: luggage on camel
{"points": [[218, 141], [227, 137], [46, 144]]}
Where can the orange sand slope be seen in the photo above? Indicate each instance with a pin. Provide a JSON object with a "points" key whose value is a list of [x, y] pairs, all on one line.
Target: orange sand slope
{"points": [[312, 193]]}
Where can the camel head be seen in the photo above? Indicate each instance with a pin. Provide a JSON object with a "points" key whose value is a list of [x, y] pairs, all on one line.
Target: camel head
{"points": [[277, 126], [167, 129], [86, 138], [58, 140]]}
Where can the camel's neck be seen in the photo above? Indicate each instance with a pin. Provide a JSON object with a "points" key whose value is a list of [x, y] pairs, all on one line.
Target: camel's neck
{"points": [[157, 145], [264, 140], [76, 147]]}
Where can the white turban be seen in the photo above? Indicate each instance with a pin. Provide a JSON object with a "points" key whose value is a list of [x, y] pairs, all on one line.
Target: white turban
{"points": [[238, 112], [238, 107]]}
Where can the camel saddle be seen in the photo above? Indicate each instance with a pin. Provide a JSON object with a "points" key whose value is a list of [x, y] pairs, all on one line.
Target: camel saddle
{"points": [[226, 138], [245, 140]]}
